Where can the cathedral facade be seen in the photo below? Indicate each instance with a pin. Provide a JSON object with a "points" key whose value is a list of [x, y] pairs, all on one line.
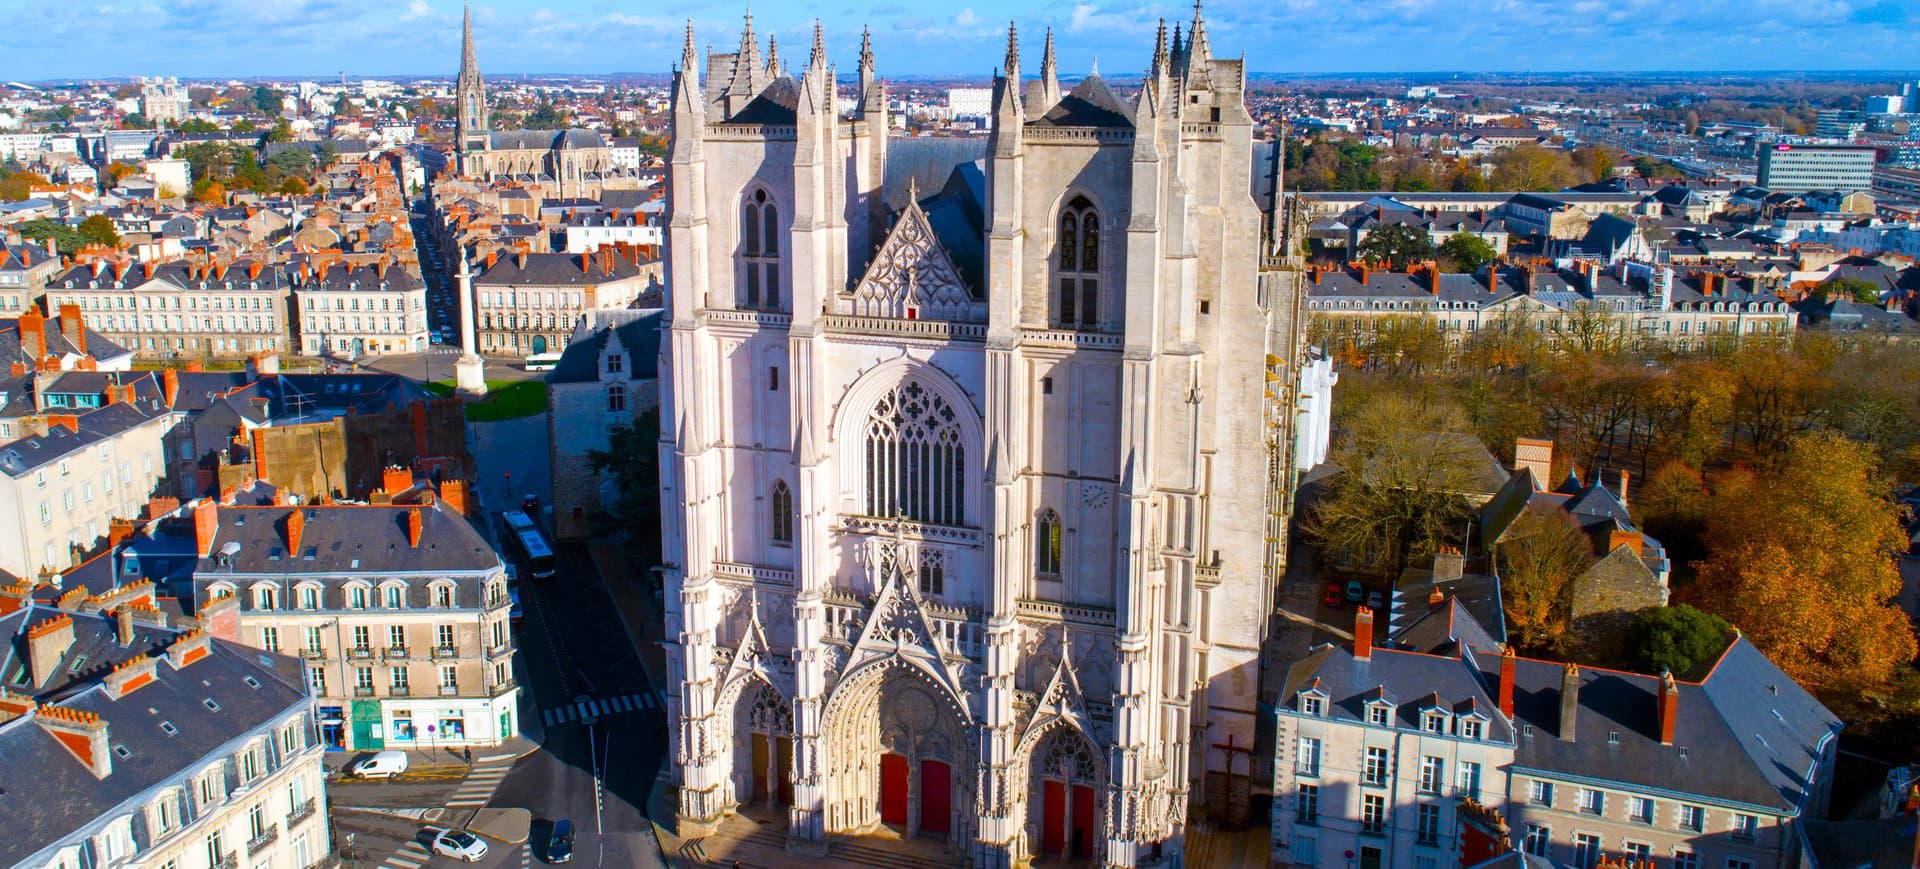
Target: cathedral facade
{"points": [[971, 468]]}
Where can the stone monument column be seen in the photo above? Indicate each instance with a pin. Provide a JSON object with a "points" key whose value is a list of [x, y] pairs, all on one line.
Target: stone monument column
{"points": [[469, 372]]}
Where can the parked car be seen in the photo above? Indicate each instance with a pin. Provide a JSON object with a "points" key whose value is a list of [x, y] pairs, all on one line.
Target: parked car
{"points": [[380, 764], [460, 845], [515, 611], [1333, 597], [560, 844], [1376, 600], [1355, 591]]}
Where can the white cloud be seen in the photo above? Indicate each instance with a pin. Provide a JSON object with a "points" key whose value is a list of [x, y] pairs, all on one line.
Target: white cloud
{"points": [[417, 10]]}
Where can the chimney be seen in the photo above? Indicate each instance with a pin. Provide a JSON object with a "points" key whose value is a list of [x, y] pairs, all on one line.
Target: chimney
{"points": [[206, 525], [13, 705], [123, 625], [1363, 634], [586, 263], [190, 647], [1669, 706], [170, 385], [83, 733], [491, 256], [395, 479], [47, 643], [1507, 659], [454, 493], [1569, 700], [33, 333], [418, 412], [73, 327], [296, 525], [1625, 478], [1619, 537], [118, 531], [414, 522], [1448, 564], [264, 364], [70, 420], [129, 676], [1535, 455]]}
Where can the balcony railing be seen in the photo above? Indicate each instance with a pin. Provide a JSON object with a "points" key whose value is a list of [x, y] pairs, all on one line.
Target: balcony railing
{"points": [[360, 653], [501, 687], [314, 654], [363, 690], [450, 690], [399, 691], [395, 653], [442, 653], [499, 650], [302, 811], [230, 861], [266, 837]]}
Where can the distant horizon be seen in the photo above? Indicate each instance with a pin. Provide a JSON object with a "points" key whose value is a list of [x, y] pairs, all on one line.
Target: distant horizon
{"points": [[317, 39]]}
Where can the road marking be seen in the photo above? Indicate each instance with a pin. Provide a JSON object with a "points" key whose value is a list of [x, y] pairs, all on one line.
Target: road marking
{"points": [[602, 707], [410, 856]]}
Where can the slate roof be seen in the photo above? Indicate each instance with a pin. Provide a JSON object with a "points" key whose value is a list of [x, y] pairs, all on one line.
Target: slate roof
{"points": [[927, 160], [958, 217], [343, 539], [555, 269], [21, 456], [774, 106], [543, 140], [640, 338], [1403, 678], [98, 345], [49, 793], [1091, 103]]}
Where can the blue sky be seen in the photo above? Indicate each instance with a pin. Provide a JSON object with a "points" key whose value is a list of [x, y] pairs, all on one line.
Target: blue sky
{"points": [[80, 38]]}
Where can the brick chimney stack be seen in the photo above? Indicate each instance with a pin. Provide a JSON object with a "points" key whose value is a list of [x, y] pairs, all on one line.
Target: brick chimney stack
{"points": [[296, 525], [123, 625], [33, 333], [415, 522], [1507, 659], [1363, 634], [170, 385], [82, 733], [73, 327], [1669, 706], [396, 479], [47, 643], [206, 525], [1569, 700]]}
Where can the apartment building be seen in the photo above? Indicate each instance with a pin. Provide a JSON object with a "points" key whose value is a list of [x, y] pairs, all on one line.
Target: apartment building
{"points": [[1714, 770], [608, 376], [65, 476], [353, 310], [33, 342], [399, 607], [24, 270], [131, 744], [531, 302], [179, 309], [1790, 168]]}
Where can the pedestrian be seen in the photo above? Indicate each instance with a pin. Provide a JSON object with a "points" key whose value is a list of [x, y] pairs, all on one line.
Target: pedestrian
{"points": [[469, 753]]}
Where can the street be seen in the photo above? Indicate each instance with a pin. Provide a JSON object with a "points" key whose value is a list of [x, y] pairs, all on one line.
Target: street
{"points": [[599, 726]]}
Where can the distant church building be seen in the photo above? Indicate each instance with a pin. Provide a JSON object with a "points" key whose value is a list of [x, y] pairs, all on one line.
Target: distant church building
{"points": [[974, 472], [573, 162]]}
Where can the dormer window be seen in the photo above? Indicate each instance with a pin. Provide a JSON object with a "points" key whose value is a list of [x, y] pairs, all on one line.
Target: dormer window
{"points": [[1313, 704], [1379, 714], [1434, 722], [1471, 728]]}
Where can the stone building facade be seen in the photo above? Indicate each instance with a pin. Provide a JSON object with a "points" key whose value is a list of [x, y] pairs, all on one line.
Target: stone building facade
{"points": [[962, 538]]}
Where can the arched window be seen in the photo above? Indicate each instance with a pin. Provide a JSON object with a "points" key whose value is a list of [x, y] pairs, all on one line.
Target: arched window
{"points": [[781, 507], [1078, 305], [1046, 544], [760, 252], [933, 572], [915, 459]]}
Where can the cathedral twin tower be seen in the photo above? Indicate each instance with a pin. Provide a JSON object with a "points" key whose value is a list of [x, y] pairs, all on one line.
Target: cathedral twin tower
{"points": [[970, 456]]}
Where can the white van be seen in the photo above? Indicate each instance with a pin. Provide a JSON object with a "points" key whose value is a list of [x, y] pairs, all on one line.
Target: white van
{"points": [[382, 764]]}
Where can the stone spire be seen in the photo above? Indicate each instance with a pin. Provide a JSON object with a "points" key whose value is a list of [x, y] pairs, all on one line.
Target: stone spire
{"points": [[470, 97], [689, 59], [1159, 51], [817, 56], [773, 56], [866, 48], [1049, 77], [1199, 54], [469, 61], [1011, 66]]}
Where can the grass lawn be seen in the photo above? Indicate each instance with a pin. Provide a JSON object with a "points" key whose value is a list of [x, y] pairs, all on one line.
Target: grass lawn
{"points": [[506, 399]]}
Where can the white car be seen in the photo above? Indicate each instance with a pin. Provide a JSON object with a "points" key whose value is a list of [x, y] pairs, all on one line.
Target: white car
{"points": [[460, 845]]}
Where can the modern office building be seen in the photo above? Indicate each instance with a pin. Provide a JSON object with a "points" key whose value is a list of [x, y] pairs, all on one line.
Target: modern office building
{"points": [[1789, 168]]}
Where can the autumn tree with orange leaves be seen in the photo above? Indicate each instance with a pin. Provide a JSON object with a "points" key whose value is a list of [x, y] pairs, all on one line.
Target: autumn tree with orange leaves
{"points": [[1801, 559]]}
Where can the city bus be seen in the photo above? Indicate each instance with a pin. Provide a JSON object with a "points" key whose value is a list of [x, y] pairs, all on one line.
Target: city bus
{"points": [[542, 361], [529, 544]]}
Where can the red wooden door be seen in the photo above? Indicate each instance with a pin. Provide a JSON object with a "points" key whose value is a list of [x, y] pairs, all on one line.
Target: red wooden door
{"points": [[783, 770], [1083, 821], [893, 789], [1053, 817], [936, 796]]}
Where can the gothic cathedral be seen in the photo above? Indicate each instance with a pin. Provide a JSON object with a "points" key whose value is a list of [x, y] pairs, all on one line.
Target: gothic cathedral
{"points": [[972, 455]]}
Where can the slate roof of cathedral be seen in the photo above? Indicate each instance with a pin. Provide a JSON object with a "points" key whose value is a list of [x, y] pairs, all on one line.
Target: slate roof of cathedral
{"points": [[1090, 104]]}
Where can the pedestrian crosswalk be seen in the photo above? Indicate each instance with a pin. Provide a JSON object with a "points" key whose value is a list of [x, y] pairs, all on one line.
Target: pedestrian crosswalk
{"points": [[479, 786], [412, 855], [605, 706]]}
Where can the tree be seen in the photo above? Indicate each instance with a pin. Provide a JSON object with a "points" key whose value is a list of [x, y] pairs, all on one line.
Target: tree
{"points": [[1851, 289], [209, 192], [632, 462], [1540, 556], [1801, 558], [1396, 244], [1399, 498], [294, 185], [1465, 252], [1595, 162], [291, 161], [197, 126], [17, 186], [118, 170], [282, 131], [244, 125], [58, 237], [1675, 638], [344, 107], [268, 101], [97, 229], [136, 121], [545, 116], [1532, 167], [166, 192]]}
